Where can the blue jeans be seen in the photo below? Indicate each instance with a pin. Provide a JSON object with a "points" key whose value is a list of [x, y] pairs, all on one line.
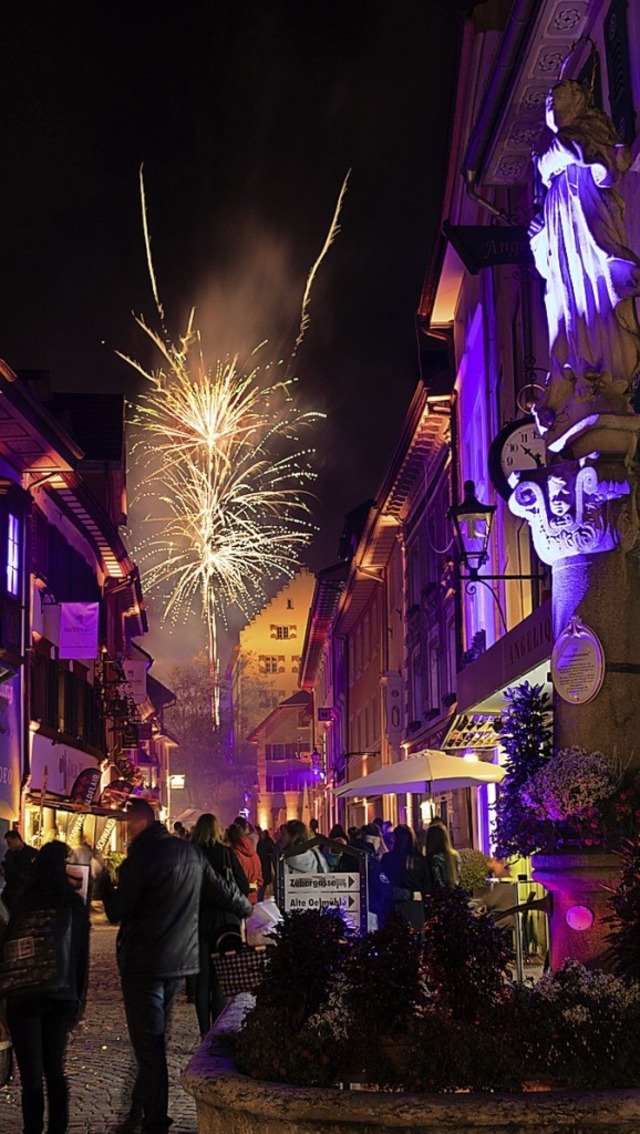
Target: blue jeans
{"points": [[147, 1004], [39, 1030]]}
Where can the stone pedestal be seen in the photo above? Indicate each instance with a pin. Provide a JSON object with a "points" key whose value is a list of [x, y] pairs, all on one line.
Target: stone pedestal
{"points": [[580, 884], [230, 1102], [584, 523]]}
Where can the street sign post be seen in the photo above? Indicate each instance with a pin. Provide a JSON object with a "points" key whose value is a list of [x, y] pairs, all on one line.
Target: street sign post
{"points": [[324, 891], [346, 891]]}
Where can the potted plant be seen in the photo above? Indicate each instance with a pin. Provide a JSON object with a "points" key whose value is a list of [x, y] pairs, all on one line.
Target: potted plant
{"points": [[465, 956], [474, 870], [570, 810], [282, 1038], [396, 1011]]}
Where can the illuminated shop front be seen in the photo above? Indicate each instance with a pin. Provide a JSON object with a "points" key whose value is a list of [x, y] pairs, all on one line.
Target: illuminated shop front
{"points": [[520, 655], [10, 731]]}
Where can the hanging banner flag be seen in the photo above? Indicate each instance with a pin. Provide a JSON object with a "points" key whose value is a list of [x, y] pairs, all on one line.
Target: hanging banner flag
{"points": [[107, 832], [75, 827], [135, 683], [79, 629], [146, 759], [85, 786], [116, 793]]}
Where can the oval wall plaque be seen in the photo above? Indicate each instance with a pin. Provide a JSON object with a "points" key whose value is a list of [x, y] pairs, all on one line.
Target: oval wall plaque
{"points": [[577, 663], [579, 918]]}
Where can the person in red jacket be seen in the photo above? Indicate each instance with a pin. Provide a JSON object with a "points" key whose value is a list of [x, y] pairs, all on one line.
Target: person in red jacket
{"points": [[239, 838]]}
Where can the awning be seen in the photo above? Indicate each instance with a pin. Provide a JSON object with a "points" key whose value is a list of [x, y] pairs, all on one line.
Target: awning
{"points": [[471, 732], [427, 772], [60, 803]]}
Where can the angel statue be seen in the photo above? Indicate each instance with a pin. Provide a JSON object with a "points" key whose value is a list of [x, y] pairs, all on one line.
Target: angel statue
{"points": [[592, 279]]}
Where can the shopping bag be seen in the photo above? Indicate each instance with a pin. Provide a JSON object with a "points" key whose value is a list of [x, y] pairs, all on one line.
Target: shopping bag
{"points": [[36, 953], [240, 970], [263, 920]]}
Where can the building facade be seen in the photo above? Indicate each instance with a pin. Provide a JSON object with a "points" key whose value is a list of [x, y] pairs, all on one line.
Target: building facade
{"points": [[265, 673], [381, 646], [73, 689], [484, 292]]}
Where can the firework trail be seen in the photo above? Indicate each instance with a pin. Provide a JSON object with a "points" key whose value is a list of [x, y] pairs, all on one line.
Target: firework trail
{"points": [[223, 455]]}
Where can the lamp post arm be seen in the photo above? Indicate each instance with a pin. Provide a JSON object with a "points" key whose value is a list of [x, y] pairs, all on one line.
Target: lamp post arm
{"points": [[475, 577], [470, 588]]}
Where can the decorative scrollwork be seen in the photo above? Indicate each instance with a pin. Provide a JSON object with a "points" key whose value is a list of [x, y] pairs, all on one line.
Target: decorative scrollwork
{"points": [[575, 510]]}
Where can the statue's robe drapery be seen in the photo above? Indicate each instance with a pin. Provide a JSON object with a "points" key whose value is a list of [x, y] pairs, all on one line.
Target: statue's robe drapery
{"points": [[592, 277]]}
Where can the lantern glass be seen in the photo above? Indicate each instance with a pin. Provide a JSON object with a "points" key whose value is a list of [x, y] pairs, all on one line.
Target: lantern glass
{"points": [[472, 521]]}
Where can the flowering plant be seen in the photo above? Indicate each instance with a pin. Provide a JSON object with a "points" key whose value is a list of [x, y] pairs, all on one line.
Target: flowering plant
{"points": [[553, 801], [569, 785], [578, 1022], [580, 799]]}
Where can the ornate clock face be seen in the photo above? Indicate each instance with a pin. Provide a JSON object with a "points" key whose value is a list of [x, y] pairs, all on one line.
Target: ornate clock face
{"points": [[517, 447]]}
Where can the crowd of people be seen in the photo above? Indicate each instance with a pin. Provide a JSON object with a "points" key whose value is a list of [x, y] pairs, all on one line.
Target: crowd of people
{"points": [[179, 898], [403, 868]]}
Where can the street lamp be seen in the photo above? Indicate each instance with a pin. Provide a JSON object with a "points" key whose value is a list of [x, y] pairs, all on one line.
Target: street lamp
{"points": [[472, 522]]}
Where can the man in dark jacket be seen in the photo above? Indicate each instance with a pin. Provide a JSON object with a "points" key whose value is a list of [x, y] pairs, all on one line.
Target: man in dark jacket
{"points": [[16, 868], [156, 902]]}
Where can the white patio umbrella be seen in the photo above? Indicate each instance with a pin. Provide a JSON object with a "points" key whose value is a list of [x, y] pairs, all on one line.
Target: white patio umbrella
{"points": [[428, 771]]}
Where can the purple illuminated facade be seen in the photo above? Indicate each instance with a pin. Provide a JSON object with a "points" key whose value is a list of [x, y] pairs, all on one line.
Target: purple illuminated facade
{"points": [[448, 650], [495, 311]]}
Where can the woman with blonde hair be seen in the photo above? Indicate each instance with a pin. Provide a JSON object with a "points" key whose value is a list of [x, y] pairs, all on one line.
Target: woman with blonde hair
{"points": [[444, 862], [307, 860], [213, 921]]}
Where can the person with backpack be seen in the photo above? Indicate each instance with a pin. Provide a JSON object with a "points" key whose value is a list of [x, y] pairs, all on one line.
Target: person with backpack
{"points": [[40, 1022]]}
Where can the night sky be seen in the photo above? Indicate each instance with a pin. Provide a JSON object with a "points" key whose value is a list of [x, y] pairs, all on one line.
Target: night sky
{"points": [[247, 115]]}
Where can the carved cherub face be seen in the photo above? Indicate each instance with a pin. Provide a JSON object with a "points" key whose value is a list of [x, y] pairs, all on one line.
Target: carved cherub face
{"points": [[559, 497], [565, 102]]}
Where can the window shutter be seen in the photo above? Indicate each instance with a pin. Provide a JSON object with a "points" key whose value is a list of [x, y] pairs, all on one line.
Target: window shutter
{"points": [[619, 70]]}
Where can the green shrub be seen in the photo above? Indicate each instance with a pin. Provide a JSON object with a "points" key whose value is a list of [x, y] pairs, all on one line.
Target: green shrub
{"points": [[382, 992], [451, 1055], [624, 937], [113, 862], [577, 1026], [336, 1009], [474, 868], [465, 955], [524, 729], [277, 1042]]}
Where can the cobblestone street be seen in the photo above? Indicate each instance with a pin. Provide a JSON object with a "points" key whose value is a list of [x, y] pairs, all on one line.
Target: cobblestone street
{"points": [[100, 1061]]}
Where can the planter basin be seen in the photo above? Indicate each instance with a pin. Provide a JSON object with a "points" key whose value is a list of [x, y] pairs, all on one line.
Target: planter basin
{"points": [[580, 884], [232, 1103]]}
